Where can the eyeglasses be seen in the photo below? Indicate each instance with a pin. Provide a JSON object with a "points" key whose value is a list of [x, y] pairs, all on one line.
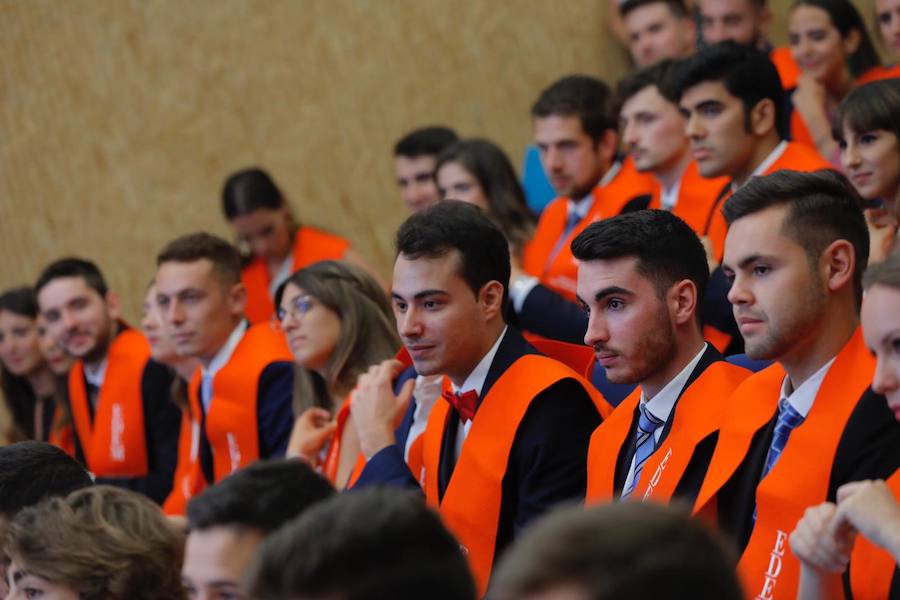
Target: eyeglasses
{"points": [[297, 307]]}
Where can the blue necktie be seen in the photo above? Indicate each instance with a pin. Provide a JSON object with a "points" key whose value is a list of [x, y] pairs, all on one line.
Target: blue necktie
{"points": [[644, 444], [788, 419], [571, 222]]}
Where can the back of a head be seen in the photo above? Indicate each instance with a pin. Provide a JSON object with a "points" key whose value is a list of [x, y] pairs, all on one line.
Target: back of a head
{"points": [[872, 106], [33, 471], [822, 207], [375, 543], [102, 542], [426, 141], [451, 225], [249, 190], [225, 259], [747, 73], [263, 496], [73, 267], [667, 249], [639, 551], [581, 96]]}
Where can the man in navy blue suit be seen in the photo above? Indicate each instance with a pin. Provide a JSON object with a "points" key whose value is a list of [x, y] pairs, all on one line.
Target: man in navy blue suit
{"points": [[508, 438]]}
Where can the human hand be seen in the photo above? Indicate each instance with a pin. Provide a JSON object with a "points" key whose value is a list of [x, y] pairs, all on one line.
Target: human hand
{"points": [[375, 407], [813, 540], [310, 432], [871, 508]]}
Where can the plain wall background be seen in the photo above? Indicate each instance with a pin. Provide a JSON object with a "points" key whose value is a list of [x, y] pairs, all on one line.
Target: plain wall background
{"points": [[119, 120]]}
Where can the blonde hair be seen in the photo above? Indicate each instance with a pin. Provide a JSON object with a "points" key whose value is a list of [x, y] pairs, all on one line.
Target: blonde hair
{"points": [[368, 329], [103, 542]]}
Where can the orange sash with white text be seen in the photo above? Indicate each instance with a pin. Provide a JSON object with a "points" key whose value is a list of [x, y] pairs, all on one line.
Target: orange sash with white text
{"points": [[471, 503], [800, 478]]}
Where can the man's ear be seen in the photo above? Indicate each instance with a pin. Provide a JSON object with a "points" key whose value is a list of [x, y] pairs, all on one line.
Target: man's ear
{"points": [[762, 117], [237, 299], [838, 264], [113, 305], [491, 299], [683, 301]]}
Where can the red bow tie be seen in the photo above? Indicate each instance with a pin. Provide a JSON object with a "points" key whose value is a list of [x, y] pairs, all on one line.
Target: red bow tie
{"points": [[465, 403]]}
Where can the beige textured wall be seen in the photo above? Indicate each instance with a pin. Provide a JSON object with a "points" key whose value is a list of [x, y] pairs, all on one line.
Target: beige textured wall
{"points": [[120, 119]]}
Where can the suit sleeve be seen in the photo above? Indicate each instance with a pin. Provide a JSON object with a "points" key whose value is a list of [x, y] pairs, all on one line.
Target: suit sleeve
{"points": [[274, 408], [548, 461], [387, 466], [546, 313]]}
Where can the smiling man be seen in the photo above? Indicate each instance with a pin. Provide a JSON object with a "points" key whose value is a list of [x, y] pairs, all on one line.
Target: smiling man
{"points": [[640, 279], [126, 428], [509, 438], [241, 394], [796, 431], [658, 30]]}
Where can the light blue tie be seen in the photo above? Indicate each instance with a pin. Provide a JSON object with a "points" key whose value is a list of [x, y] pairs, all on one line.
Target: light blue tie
{"points": [[206, 389], [571, 222], [788, 419], [644, 444]]}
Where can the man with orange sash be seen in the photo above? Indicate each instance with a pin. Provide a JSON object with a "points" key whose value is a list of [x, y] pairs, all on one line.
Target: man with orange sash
{"points": [[738, 126], [746, 22], [640, 279], [240, 397], [575, 131], [126, 428], [796, 248], [509, 437]]}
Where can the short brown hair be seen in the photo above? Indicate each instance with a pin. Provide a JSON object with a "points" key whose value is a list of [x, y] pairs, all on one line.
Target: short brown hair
{"points": [[103, 542], [201, 245]]}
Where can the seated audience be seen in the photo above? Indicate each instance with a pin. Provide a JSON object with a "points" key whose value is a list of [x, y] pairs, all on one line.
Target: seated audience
{"points": [[831, 45], [415, 155], [376, 543], [478, 172], [125, 426], [640, 279], [866, 511], [338, 322], [867, 129], [229, 521], [796, 431], [509, 438], [100, 542], [241, 394], [658, 30], [275, 244], [746, 22], [27, 379], [617, 551]]}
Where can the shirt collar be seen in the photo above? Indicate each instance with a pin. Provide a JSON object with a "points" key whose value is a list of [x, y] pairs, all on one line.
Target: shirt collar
{"points": [[661, 405], [802, 398], [224, 354], [96, 376], [764, 166], [668, 198], [475, 380]]}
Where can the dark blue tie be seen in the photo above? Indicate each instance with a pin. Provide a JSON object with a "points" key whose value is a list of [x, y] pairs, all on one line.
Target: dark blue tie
{"points": [[644, 444], [788, 419]]}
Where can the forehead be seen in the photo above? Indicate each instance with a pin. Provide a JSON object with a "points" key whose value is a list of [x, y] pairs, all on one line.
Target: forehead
{"points": [[760, 232], [880, 311], [453, 170], [558, 127], [415, 275], [805, 16], [220, 550], [173, 276], [707, 91], [595, 275], [410, 165], [63, 288], [647, 100], [725, 7], [648, 14]]}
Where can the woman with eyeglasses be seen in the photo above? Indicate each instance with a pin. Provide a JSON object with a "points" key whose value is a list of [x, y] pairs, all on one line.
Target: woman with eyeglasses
{"points": [[862, 528], [867, 130], [338, 322]]}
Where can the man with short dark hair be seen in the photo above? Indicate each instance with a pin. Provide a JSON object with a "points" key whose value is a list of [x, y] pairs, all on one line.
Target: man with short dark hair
{"points": [[415, 155], [509, 437], [640, 279], [737, 122], [241, 395], [658, 30], [617, 551], [375, 543], [746, 22], [126, 428], [228, 522], [796, 248], [575, 130]]}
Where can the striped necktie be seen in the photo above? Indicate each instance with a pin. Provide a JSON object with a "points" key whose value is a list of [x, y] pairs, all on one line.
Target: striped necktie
{"points": [[788, 419], [572, 222], [644, 444]]}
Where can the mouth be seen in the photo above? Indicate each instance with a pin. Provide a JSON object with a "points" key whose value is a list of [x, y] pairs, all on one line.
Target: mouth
{"points": [[861, 178], [605, 358], [701, 154], [419, 351], [748, 323], [182, 338]]}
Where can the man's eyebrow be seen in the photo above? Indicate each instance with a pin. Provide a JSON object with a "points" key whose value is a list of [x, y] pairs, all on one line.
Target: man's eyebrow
{"points": [[613, 289]]}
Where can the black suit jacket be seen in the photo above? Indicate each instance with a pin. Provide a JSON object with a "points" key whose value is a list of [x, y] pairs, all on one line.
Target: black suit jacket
{"points": [[548, 459]]}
